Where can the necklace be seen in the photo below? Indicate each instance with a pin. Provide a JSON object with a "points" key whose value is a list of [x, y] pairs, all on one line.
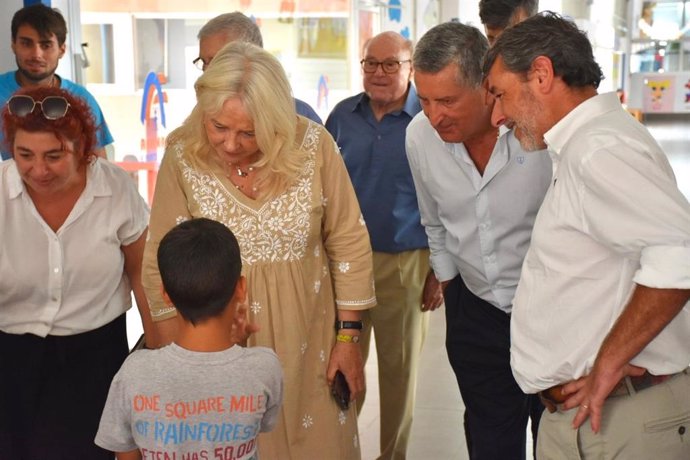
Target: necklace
{"points": [[241, 172], [241, 187]]}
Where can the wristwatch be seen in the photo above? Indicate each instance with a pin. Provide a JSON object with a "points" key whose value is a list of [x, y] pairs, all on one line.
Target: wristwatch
{"points": [[347, 338], [348, 325]]}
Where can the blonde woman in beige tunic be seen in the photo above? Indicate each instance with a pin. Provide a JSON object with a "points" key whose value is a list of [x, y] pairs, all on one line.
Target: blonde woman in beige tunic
{"points": [[244, 158]]}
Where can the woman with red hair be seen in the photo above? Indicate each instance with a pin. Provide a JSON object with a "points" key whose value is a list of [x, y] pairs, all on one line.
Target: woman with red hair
{"points": [[72, 233]]}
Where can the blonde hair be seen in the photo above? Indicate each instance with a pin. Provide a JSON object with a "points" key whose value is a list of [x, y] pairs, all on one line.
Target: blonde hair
{"points": [[245, 71]]}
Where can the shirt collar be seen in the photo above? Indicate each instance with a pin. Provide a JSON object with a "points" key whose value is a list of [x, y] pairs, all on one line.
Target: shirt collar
{"points": [[569, 125], [15, 186], [411, 106], [96, 184]]}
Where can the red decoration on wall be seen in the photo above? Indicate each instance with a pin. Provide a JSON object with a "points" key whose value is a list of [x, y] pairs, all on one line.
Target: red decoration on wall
{"points": [[287, 11]]}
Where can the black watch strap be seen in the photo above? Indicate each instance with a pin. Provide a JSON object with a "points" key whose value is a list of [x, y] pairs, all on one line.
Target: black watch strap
{"points": [[348, 325]]}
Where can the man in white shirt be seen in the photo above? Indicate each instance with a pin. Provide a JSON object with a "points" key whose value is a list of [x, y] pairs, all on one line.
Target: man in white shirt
{"points": [[478, 195], [600, 321]]}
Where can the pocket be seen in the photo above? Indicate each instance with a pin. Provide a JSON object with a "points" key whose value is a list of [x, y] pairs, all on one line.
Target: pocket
{"points": [[667, 437], [679, 423]]}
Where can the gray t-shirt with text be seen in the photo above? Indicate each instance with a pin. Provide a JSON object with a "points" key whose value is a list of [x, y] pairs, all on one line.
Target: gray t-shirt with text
{"points": [[176, 403]]}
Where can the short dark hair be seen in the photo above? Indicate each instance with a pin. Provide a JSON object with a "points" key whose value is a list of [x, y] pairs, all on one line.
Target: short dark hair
{"points": [[199, 262], [547, 34], [497, 14], [236, 24], [452, 43], [44, 19]]}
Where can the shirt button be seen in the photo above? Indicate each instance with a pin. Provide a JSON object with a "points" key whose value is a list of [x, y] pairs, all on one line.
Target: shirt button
{"points": [[56, 270], [681, 430]]}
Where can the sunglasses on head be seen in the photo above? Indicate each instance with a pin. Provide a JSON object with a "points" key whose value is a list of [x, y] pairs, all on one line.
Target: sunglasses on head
{"points": [[52, 107]]}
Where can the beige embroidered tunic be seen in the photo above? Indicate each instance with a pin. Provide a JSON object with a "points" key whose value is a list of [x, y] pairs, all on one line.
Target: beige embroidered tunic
{"points": [[304, 253]]}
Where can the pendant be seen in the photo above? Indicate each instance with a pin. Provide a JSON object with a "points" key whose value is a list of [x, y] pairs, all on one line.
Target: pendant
{"points": [[239, 171]]}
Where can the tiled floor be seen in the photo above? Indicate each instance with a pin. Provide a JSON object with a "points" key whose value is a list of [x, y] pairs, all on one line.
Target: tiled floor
{"points": [[437, 431]]}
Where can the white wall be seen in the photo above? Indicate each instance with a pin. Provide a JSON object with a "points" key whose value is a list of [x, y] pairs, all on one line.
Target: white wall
{"points": [[7, 9]]}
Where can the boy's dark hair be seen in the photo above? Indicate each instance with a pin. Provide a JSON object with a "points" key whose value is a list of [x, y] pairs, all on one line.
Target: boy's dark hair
{"points": [[44, 19], [199, 262], [498, 13]]}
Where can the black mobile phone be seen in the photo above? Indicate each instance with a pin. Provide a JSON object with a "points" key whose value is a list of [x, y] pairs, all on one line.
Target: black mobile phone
{"points": [[340, 391]]}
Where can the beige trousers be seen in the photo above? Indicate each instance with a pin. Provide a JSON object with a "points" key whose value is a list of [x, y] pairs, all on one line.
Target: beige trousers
{"points": [[653, 424], [399, 330]]}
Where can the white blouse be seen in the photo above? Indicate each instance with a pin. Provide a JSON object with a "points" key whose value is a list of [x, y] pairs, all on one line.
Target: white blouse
{"points": [[72, 280]]}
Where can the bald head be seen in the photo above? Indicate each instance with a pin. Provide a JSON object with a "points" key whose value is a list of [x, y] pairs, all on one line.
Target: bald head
{"points": [[389, 39]]}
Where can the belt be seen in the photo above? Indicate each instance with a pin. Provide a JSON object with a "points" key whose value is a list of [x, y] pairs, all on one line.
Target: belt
{"points": [[627, 386]]}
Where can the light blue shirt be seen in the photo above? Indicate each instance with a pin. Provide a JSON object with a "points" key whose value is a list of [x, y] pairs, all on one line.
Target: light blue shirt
{"points": [[479, 226], [9, 85]]}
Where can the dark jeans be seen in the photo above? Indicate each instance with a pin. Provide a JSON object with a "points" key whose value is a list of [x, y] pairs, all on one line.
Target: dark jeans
{"points": [[53, 389], [478, 346]]}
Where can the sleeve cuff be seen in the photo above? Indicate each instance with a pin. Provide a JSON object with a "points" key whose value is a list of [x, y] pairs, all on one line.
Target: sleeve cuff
{"points": [[444, 268], [664, 267], [161, 314]]}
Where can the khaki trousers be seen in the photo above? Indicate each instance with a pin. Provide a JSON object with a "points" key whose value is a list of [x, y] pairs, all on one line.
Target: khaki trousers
{"points": [[651, 424], [399, 330]]}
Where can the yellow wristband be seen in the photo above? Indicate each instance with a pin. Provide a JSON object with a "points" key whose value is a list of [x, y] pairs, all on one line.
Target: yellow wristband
{"points": [[347, 338]]}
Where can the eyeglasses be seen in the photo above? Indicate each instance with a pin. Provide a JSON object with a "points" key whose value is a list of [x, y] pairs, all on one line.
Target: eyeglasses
{"points": [[52, 107], [388, 66], [199, 64]]}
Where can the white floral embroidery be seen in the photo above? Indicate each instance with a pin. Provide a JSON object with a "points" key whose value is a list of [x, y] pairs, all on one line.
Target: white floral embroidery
{"points": [[303, 347], [344, 267], [317, 286], [361, 220], [307, 421], [355, 440], [317, 251], [322, 356], [255, 307], [324, 271], [279, 230], [324, 201], [342, 418], [180, 219]]}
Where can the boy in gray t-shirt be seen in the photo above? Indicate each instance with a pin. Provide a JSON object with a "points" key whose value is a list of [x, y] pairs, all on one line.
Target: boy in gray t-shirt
{"points": [[203, 396]]}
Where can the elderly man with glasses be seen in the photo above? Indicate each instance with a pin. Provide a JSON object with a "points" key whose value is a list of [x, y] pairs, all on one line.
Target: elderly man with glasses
{"points": [[227, 28], [370, 131]]}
